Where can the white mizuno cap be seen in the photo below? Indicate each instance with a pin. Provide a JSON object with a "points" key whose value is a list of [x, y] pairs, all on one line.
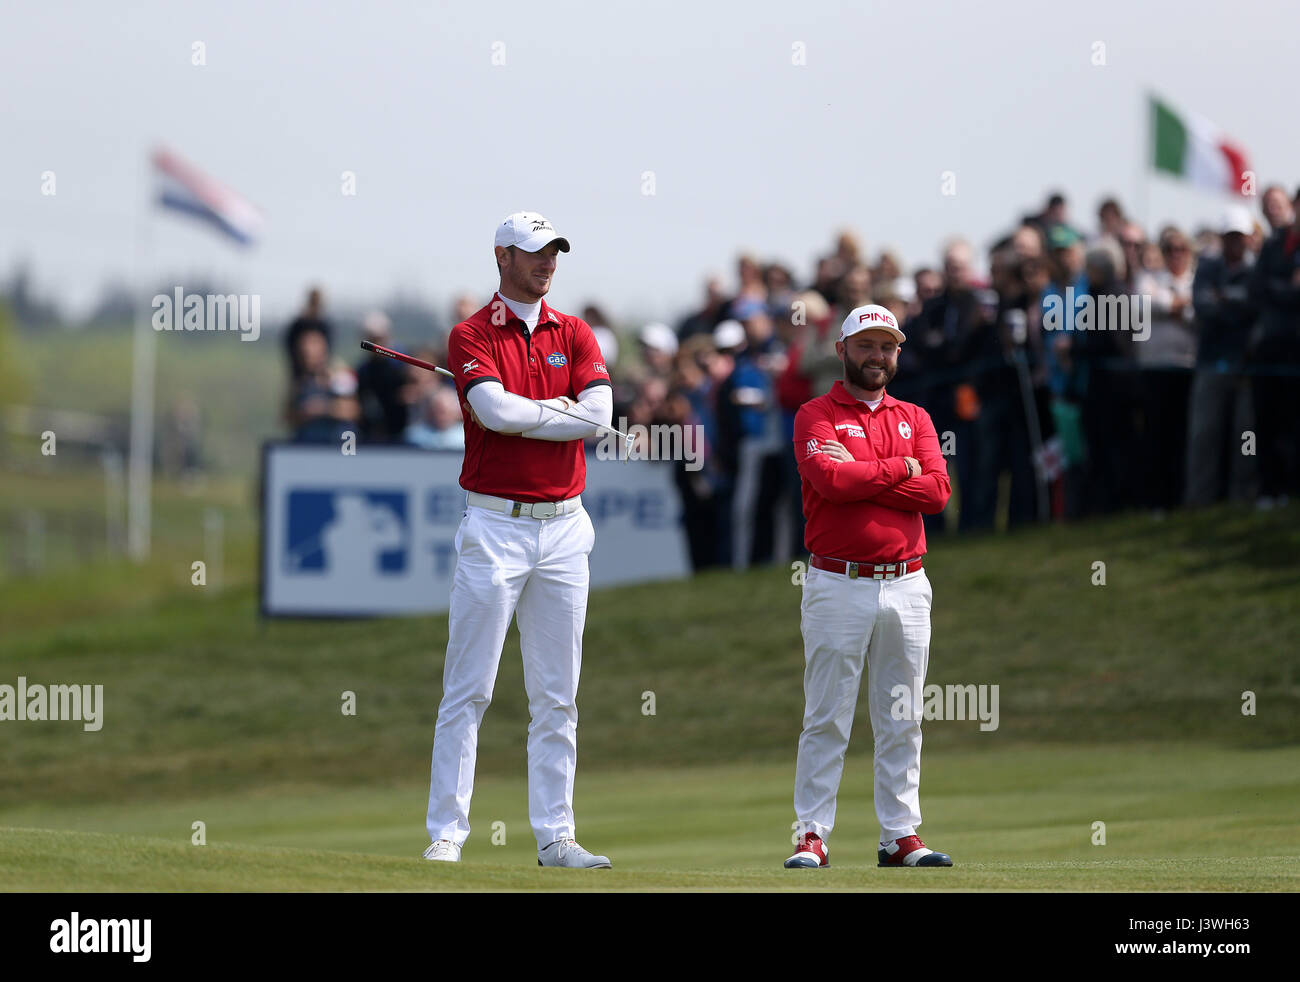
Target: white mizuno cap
{"points": [[871, 317], [529, 231]]}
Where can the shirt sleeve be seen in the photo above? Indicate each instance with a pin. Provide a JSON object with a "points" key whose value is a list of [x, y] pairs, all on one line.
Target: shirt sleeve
{"points": [[853, 480], [596, 407], [927, 492], [470, 359], [586, 365], [502, 411]]}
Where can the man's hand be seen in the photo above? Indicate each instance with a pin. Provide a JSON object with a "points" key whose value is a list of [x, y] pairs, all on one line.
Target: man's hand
{"points": [[836, 451]]}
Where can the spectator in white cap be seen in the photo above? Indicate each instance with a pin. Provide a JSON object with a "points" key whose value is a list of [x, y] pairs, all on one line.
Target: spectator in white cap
{"points": [[658, 346], [1219, 407], [729, 335]]}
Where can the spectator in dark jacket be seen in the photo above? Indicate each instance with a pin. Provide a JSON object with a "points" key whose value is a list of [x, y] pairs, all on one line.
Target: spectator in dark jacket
{"points": [[942, 335], [1106, 368], [1219, 411], [311, 320], [1274, 357], [713, 313], [1002, 429], [384, 387], [1276, 207]]}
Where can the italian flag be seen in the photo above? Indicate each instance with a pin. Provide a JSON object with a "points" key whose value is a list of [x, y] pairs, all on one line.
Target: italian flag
{"points": [[1194, 149]]}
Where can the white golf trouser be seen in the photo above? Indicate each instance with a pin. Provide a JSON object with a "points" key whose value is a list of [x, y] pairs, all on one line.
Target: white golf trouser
{"points": [[535, 569], [846, 622]]}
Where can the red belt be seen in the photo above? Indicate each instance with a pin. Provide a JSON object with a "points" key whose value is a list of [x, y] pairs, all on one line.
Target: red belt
{"points": [[873, 571]]}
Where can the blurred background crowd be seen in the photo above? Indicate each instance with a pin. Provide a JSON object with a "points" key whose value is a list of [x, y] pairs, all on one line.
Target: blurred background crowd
{"points": [[1194, 401]]}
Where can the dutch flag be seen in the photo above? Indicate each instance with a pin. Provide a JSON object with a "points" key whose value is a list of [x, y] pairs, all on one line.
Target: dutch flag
{"points": [[185, 188]]}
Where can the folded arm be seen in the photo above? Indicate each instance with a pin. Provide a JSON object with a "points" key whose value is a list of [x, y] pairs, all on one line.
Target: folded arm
{"points": [[596, 407], [927, 492], [504, 412], [840, 481]]}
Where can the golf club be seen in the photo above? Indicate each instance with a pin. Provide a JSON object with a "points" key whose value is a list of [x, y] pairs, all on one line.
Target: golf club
{"points": [[428, 366]]}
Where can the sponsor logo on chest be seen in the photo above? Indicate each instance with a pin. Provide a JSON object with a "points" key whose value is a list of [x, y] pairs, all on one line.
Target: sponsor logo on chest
{"points": [[556, 360], [851, 429]]}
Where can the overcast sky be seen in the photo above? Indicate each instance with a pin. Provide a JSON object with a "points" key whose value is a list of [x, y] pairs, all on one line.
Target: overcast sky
{"points": [[748, 150]]}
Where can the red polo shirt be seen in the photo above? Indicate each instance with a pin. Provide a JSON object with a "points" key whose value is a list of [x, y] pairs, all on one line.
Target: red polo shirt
{"points": [[867, 510], [559, 358]]}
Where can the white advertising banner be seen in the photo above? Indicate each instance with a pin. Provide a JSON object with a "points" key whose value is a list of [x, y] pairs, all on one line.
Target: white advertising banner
{"points": [[373, 533]]}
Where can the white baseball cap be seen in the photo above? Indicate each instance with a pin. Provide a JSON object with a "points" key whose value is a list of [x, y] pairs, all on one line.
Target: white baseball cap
{"points": [[529, 231], [728, 334], [660, 337], [1237, 219], [869, 318]]}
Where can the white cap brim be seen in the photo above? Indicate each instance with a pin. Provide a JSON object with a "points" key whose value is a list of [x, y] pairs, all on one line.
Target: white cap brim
{"points": [[540, 240]]}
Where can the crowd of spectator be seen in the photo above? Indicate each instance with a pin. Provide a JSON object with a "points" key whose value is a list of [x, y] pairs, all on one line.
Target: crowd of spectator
{"points": [[1169, 380]]}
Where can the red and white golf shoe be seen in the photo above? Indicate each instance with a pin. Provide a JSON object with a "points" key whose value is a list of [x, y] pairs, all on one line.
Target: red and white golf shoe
{"points": [[911, 851], [810, 853]]}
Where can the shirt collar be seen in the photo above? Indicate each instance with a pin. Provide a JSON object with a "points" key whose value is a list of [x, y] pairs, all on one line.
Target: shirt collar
{"points": [[545, 315], [844, 396]]}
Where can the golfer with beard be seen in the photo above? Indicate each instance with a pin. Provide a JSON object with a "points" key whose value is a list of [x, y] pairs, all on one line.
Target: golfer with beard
{"points": [[870, 467]]}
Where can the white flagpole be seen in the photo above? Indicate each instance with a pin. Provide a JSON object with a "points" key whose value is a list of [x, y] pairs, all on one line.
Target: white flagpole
{"points": [[1147, 150], [140, 465]]}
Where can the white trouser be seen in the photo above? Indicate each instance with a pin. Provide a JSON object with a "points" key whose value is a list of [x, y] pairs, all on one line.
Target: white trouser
{"points": [[846, 622], [535, 569]]}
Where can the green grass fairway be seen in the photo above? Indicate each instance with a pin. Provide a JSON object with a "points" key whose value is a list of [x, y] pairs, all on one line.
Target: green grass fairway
{"points": [[1119, 703], [1176, 820]]}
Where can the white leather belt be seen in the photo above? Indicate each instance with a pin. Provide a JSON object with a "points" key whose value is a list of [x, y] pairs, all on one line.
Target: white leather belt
{"points": [[525, 509]]}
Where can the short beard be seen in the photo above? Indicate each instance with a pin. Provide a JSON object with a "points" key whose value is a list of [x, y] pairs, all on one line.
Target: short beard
{"points": [[522, 284], [857, 375]]}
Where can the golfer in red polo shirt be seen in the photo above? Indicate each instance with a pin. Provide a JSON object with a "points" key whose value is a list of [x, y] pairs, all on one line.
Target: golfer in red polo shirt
{"points": [[523, 541], [871, 466]]}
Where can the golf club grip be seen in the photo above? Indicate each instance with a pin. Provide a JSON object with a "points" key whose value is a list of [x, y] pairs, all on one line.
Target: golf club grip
{"points": [[389, 352]]}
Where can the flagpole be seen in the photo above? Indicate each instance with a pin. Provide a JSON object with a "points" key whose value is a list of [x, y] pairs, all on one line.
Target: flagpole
{"points": [[143, 357], [1146, 143]]}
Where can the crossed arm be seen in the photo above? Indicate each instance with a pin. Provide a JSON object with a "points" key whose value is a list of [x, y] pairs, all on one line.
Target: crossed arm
{"points": [[493, 408], [833, 472]]}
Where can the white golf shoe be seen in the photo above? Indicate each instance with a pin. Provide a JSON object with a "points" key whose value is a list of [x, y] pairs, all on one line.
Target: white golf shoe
{"points": [[570, 855], [443, 851]]}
